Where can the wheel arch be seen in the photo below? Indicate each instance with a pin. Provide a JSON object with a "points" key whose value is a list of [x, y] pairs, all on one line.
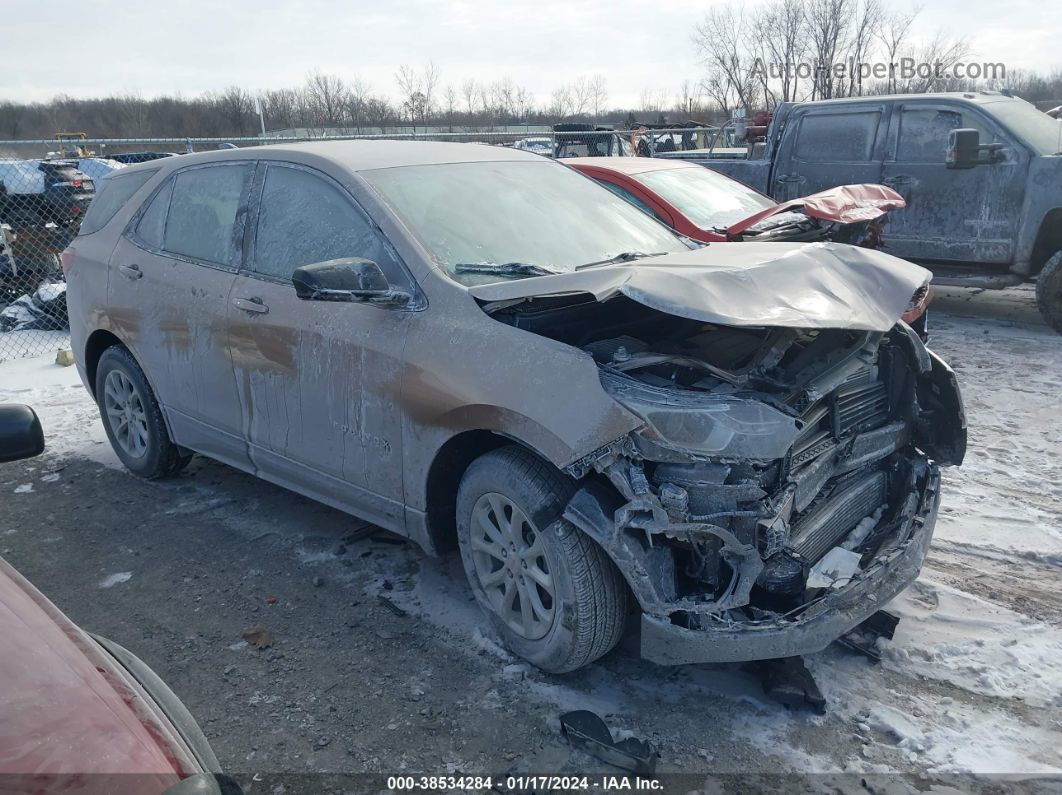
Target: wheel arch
{"points": [[98, 342], [1048, 240]]}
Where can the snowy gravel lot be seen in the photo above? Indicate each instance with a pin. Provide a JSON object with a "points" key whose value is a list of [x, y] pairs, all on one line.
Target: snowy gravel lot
{"points": [[380, 661]]}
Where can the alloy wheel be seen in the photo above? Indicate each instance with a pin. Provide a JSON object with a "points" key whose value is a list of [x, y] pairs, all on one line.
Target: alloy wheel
{"points": [[511, 566], [125, 414]]}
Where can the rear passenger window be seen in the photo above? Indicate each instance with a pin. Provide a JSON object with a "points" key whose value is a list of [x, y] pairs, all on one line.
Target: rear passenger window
{"points": [[111, 194], [306, 219], [203, 209], [152, 226], [838, 137]]}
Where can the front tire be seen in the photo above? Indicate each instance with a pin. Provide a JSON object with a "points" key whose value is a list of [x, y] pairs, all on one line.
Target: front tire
{"points": [[1049, 292], [550, 591], [133, 419]]}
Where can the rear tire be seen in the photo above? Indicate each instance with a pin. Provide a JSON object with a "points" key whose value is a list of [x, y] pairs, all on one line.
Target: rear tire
{"points": [[133, 418], [1049, 292], [550, 591]]}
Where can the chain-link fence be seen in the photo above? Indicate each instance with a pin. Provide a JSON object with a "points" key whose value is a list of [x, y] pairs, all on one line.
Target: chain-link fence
{"points": [[47, 185]]}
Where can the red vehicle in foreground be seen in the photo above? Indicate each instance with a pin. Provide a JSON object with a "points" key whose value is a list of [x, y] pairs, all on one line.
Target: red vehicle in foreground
{"points": [[78, 713], [712, 208]]}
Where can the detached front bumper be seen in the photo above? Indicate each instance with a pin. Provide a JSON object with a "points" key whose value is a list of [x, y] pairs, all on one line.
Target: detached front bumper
{"points": [[896, 566]]}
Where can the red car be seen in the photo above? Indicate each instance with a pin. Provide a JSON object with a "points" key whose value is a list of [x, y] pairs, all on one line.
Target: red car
{"points": [[78, 713], [710, 207]]}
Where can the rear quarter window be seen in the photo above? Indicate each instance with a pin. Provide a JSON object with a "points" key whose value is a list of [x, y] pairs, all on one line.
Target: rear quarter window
{"points": [[111, 195]]}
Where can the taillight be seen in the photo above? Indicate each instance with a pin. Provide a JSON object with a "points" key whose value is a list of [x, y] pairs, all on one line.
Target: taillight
{"points": [[76, 183], [66, 259]]}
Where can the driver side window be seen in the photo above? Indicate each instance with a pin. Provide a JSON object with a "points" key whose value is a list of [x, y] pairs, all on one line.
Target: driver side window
{"points": [[924, 133], [304, 218]]}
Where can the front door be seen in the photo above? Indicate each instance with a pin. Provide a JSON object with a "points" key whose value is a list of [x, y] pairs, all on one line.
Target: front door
{"points": [[960, 215], [318, 380], [170, 286], [827, 147]]}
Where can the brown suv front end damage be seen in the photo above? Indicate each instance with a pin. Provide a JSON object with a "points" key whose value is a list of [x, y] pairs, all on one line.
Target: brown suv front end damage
{"points": [[784, 483], [721, 509]]}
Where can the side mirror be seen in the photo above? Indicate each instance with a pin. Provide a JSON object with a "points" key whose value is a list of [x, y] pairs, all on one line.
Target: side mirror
{"points": [[21, 435], [965, 148], [348, 279]]}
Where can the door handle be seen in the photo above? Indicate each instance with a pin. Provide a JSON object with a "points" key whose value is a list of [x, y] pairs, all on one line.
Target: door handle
{"points": [[253, 305], [899, 179], [131, 271]]}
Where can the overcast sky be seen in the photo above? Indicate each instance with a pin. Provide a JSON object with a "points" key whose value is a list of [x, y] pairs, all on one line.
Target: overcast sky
{"points": [[103, 47]]}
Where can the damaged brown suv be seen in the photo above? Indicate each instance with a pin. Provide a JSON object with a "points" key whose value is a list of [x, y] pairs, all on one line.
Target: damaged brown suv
{"points": [[481, 349]]}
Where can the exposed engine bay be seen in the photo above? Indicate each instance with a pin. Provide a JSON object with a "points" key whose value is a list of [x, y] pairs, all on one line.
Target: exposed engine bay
{"points": [[797, 227], [774, 463]]}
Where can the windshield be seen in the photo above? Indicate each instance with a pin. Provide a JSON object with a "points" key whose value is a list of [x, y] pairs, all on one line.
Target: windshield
{"points": [[708, 199], [522, 218], [1038, 129]]}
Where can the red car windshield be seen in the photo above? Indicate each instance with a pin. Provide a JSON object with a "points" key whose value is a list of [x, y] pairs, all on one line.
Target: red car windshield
{"points": [[709, 200]]}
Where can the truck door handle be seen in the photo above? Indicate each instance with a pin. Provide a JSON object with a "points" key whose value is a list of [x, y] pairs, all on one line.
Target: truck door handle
{"points": [[789, 178], [899, 179], [253, 305], [131, 271]]}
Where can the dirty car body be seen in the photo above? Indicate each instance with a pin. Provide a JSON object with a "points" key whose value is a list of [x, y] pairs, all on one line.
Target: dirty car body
{"points": [[715, 420]]}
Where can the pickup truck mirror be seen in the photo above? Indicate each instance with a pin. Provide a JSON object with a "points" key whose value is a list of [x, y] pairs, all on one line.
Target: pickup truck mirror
{"points": [[21, 435], [347, 279], [965, 150]]}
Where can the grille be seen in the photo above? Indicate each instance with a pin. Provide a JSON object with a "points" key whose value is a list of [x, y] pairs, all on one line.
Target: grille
{"points": [[817, 532], [862, 403]]}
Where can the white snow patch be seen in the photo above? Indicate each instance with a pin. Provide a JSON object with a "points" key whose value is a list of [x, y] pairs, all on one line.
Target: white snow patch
{"points": [[51, 477], [70, 418], [952, 636], [114, 579], [25, 488]]}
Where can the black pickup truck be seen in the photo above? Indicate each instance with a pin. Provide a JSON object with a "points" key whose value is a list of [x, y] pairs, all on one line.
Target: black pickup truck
{"points": [[981, 173]]}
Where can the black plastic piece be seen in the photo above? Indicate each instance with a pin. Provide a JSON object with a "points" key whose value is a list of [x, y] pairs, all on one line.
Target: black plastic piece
{"points": [[588, 732]]}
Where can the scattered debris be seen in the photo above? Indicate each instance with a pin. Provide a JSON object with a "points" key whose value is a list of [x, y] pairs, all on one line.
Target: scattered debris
{"points": [[114, 579], [587, 732], [258, 636], [790, 683], [864, 638], [271, 600], [64, 357], [398, 611]]}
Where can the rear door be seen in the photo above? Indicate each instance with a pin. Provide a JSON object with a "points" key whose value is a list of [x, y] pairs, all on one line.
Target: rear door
{"points": [[317, 380], [171, 276], [824, 147], [961, 215]]}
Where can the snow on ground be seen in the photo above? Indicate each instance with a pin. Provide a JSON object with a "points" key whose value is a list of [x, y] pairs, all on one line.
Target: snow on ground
{"points": [[970, 683]]}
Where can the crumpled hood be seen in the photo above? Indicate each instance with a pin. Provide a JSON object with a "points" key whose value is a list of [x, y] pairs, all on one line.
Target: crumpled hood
{"points": [[795, 285], [847, 204]]}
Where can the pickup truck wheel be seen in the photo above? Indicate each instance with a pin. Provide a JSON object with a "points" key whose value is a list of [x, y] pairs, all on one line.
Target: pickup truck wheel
{"points": [[1049, 292], [133, 419], [552, 593]]}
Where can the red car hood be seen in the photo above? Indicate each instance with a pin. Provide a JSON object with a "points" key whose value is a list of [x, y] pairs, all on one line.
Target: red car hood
{"points": [[848, 204], [68, 711]]}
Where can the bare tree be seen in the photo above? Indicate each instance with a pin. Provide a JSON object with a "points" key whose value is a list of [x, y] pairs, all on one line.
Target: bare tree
{"points": [[723, 42], [237, 108], [469, 94], [866, 23], [450, 100], [780, 28], [827, 24], [328, 96], [598, 94], [892, 34]]}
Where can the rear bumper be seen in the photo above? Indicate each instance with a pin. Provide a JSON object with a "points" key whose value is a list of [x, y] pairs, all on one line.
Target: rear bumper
{"points": [[895, 567]]}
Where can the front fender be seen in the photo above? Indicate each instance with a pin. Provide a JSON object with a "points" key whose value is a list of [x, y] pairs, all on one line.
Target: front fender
{"points": [[941, 427]]}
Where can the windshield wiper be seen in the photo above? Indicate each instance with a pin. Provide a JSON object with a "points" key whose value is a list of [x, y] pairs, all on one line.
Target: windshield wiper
{"points": [[504, 268], [626, 256]]}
